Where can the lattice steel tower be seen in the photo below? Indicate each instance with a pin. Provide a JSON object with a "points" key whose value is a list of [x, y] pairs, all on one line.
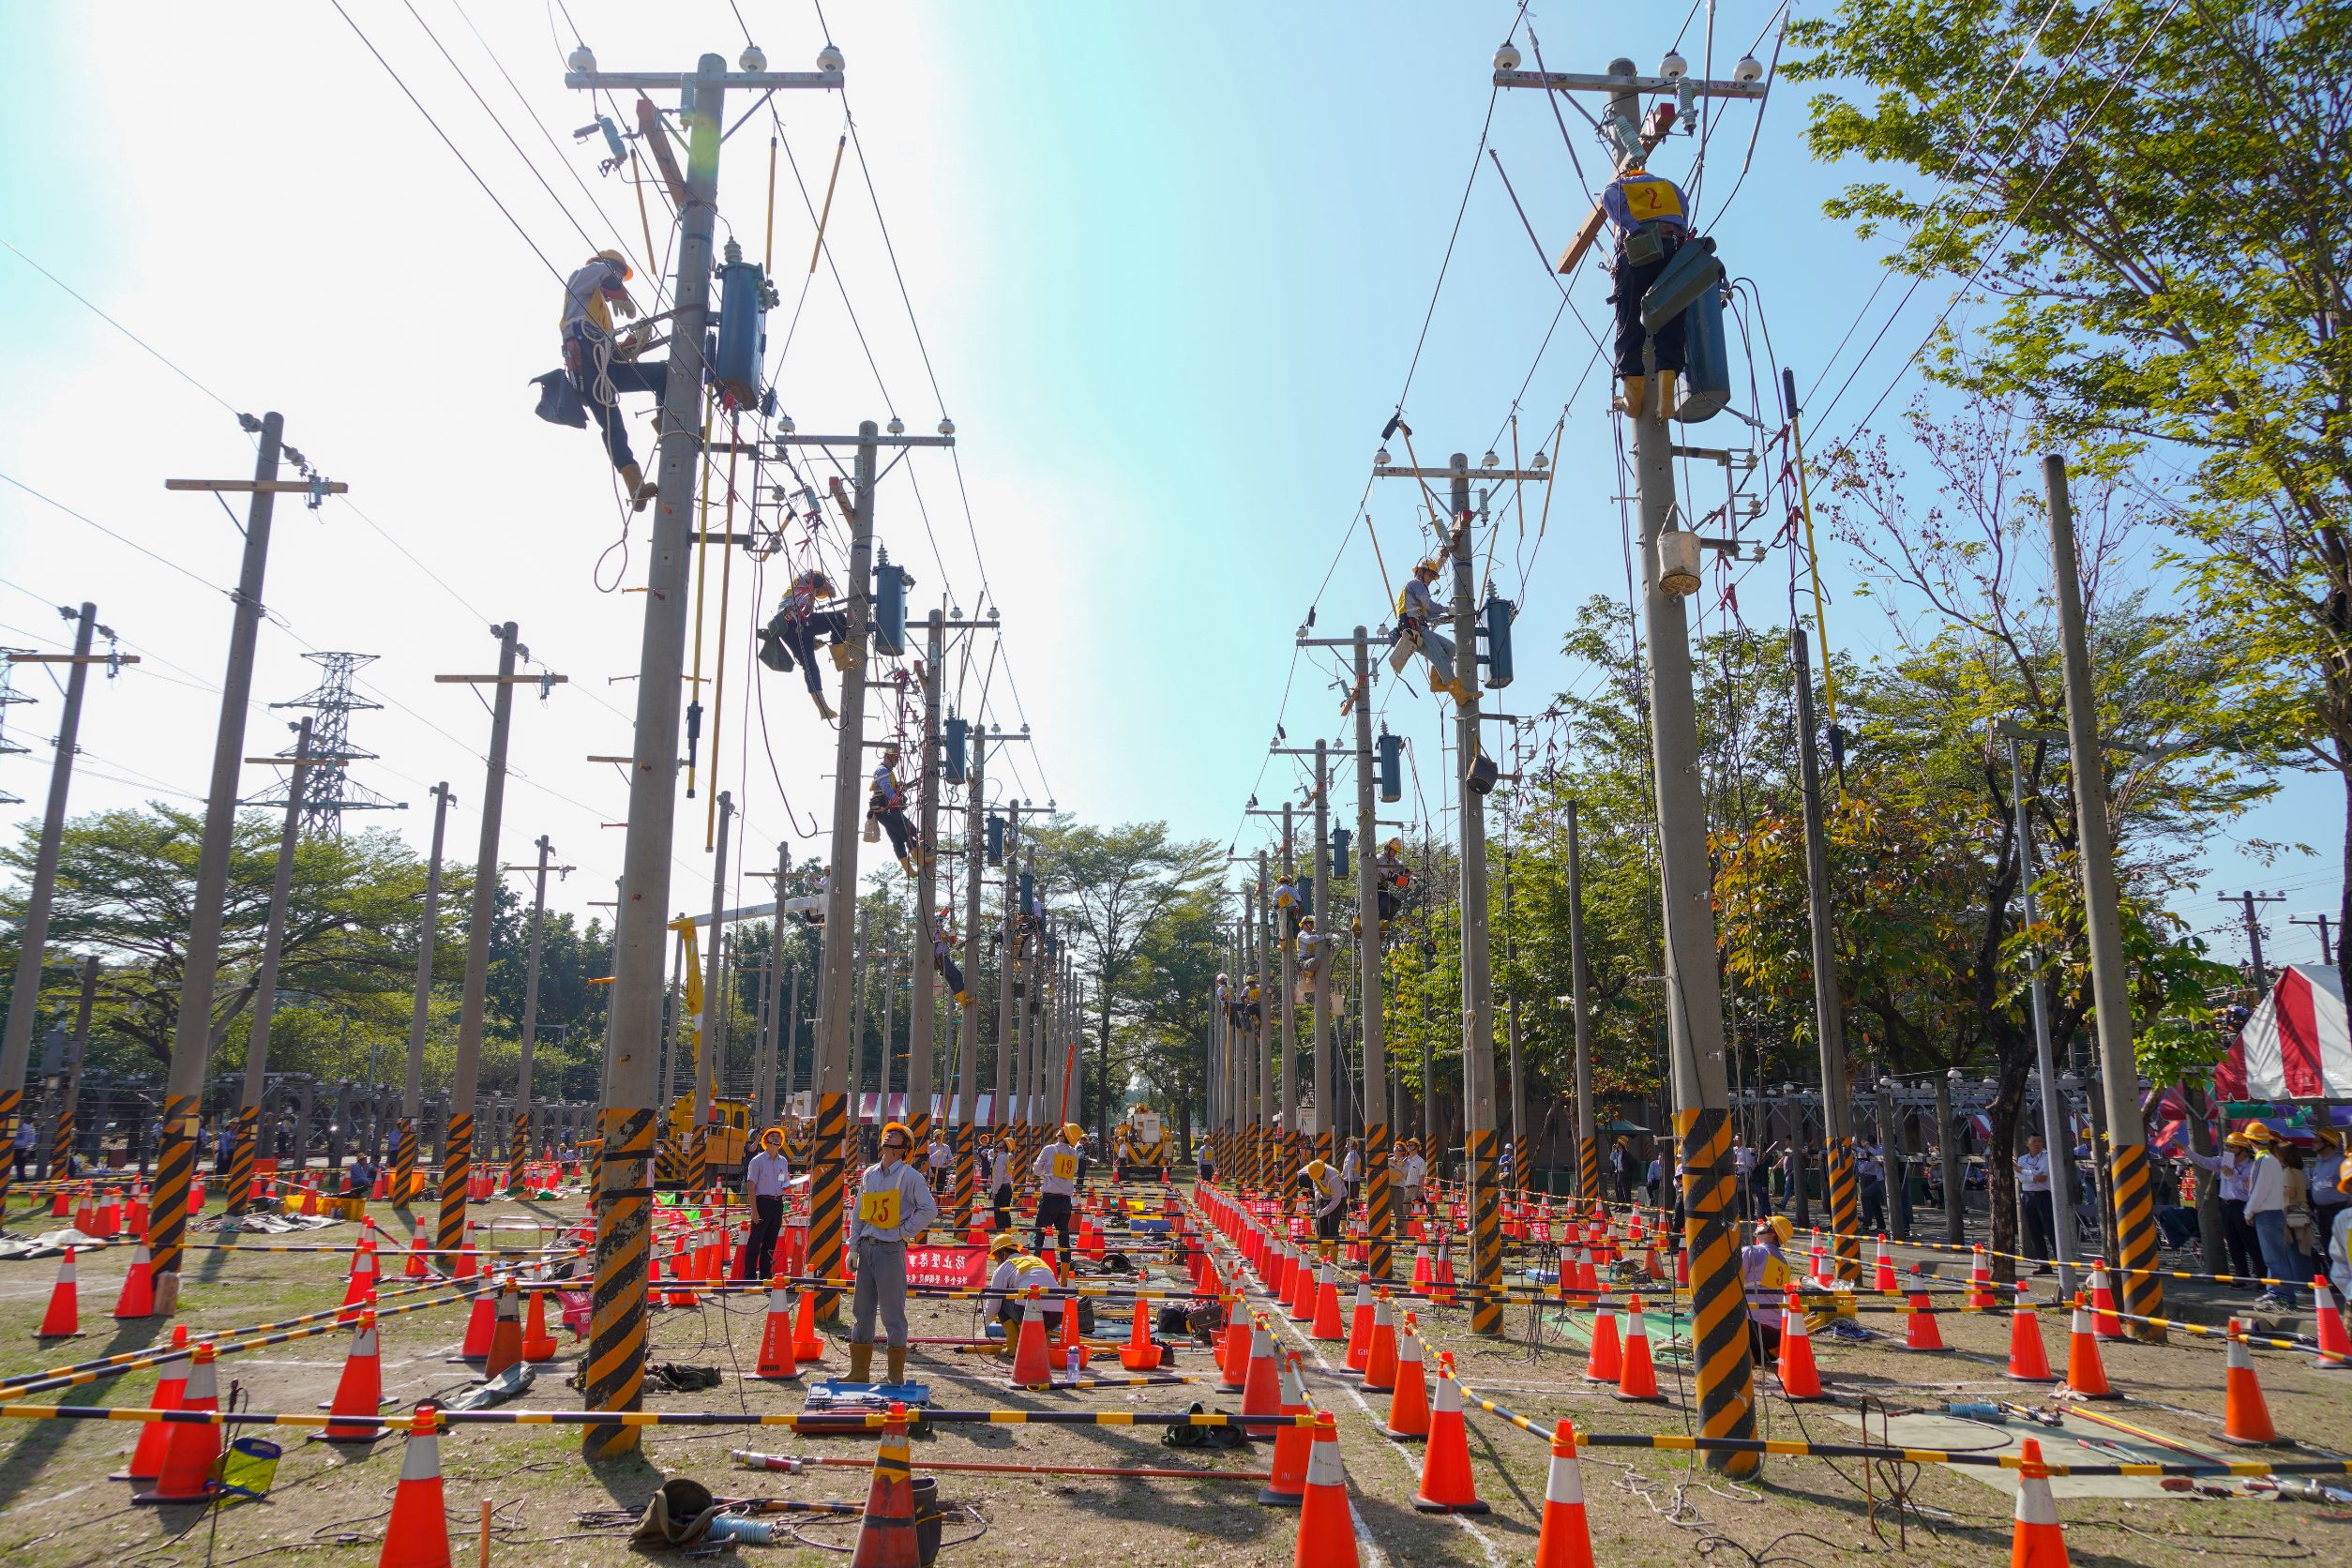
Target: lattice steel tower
{"points": [[331, 790]]}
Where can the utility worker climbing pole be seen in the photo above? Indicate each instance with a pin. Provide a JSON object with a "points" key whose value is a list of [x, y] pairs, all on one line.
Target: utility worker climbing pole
{"points": [[1418, 615], [1313, 947], [894, 1207], [792, 631], [1651, 220], [943, 956], [600, 367], [1390, 880], [886, 804], [1286, 900]]}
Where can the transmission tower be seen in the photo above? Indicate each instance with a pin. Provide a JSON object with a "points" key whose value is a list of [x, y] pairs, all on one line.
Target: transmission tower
{"points": [[331, 791], [9, 697]]}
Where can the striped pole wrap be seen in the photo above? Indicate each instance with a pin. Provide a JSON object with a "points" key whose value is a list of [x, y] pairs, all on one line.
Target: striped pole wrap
{"points": [[824, 1198], [240, 1182], [698, 1161], [918, 1138], [61, 1149], [174, 1170], [1294, 1161], [1844, 1209], [518, 1150], [2135, 1179], [1380, 1202], [1719, 1309], [1323, 1144], [616, 1327], [1589, 1167], [1486, 1231], [457, 1169], [964, 1176], [404, 1160], [12, 1107]]}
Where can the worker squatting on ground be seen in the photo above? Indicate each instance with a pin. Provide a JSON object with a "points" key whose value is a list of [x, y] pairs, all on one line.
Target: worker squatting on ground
{"points": [[601, 367], [1013, 1271], [894, 1207], [792, 631], [886, 804], [1652, 222], [943, 958], [1765, 1274], [1417, 614], [764, 1180], [1057, 1173]]}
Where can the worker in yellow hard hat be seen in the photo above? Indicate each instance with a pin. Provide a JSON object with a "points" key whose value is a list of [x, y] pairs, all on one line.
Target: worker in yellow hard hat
{"points": [[1418, 616], [1056, 1168], [1330, 1204], [601, 367], [1651, 220], [894, 1208], [791, 633], [765, 1180], [1764, 1272], [1012, 1272]]}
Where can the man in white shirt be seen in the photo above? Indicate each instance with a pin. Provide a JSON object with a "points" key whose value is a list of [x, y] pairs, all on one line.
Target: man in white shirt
{"points": [[1351, 1167], [2265, 1211], [2033, 1197], [1743, 1174], [2231, 1169], [766, 1179], [1415, 1171], [999, 1160], [894, 1207], [937, 1158], [1017, 1272], [1057, 1171]]}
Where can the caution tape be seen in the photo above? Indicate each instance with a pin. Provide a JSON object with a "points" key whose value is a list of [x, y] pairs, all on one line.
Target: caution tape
{"points": [[843, 1419]]}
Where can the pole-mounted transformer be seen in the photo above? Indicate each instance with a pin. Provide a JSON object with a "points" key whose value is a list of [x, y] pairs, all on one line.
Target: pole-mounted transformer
{"points": [[1494, 624], [996, 840], [952, 766], [891, 583], [744, 296], [1340, 840], [1389, 752]]}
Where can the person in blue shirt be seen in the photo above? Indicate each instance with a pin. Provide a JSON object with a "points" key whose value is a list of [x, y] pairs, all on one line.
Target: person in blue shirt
{"points": [[1651, 219]]}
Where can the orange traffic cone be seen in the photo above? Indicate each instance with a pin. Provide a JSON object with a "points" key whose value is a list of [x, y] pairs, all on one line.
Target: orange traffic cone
{"points": [[886, 1537], [1882, 1273], [1141, 1354], [1233, 1355], [1800, 1379], [466, 1264], [1565, 1540], [505, 1346], [2028, 1361], [480, 1324], [359, 1391], [775, 1337], [63, 1320], [2035, 1541], [1327, 1536], [1922, 1332], [1029, 1369], [417, 1535], [1637, 1379], [538, 1342], [193, 1446], [1326, 1326], [807, 1344], [138, 1297], [360, 1289], [2086, 1375], [419, 1267], [1380, 1356], [2245, 1415], [1980, 1282], [1285, 1483], [1408, 1407], [2103, 1320], [146, 1455], [1360, 1329], [2335, 1347], [1606, 1362], [1262, 1396], [1447, 1486]]}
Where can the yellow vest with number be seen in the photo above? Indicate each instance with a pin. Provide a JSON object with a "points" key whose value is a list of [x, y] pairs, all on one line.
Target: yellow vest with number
{"points": [[1648, 197], [878, 1209], [1065, 1165]]}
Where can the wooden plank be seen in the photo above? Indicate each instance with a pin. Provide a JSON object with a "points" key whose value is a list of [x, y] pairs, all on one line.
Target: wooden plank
{"points": [[273, 487], [497, 680], [73, 659], [656, 138]]}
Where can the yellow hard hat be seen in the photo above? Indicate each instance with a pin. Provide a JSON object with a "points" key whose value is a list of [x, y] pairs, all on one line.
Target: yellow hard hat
{"points": [[1072, 1132], [618, 259], [900, 1128], [1003, 1241], [1316, 1168], [773, 1136], [1780, 1226], [1429, 567]]}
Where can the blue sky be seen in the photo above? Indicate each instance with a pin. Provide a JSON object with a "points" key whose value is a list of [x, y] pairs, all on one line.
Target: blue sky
{"points": [[1169, 266]]}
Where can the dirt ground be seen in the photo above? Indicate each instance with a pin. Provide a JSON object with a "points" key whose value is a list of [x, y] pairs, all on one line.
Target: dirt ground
{"points": [[57, 1509]]}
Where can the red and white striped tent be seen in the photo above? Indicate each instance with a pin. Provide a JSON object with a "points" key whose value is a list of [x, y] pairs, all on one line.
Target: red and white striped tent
{"points": [[2298, 1046]]}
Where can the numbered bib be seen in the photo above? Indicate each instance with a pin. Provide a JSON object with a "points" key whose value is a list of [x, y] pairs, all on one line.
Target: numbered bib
{"points": [[878, 1209], [1065, 1168]]}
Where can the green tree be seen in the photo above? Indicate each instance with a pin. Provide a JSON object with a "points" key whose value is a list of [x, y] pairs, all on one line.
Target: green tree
{"points": [[2158, 201]]}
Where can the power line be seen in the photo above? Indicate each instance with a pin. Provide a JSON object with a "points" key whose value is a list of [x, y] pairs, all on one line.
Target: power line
{"points": [[118, 327]]}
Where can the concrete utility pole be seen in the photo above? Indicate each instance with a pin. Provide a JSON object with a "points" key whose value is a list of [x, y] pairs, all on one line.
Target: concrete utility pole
{"points": [[457, 1157], [15, 1040], [1007, 977], [968, 1032], [922, 1008], [1579, 986], [1280, 941], [1510, 1032], [420, 1009], [192, 1035], [710, 1034], [518, 1149], [240, 1182], [1319, 1021], [1379, 1216], [2133, 1177], [837, 980], [616, 1351], [2247, 900], [1829, 1008], [61, 1131], [776, 1042], [2059, 1143]]}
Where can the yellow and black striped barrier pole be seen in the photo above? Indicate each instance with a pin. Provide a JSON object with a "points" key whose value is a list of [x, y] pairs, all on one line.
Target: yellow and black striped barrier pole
{"points": [[242, 1149], [615, 1370], [1844, 1208], [1380, 1202], [1485, 1233], [404, 1161], [174, 1176], [1719, 1306], [2135, 1178], [457, 1171], [826, 1236], [518, 1150]]}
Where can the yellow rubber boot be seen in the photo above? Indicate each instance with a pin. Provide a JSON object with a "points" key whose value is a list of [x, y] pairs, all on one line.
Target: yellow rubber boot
{"points": [[1630, 401]]}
